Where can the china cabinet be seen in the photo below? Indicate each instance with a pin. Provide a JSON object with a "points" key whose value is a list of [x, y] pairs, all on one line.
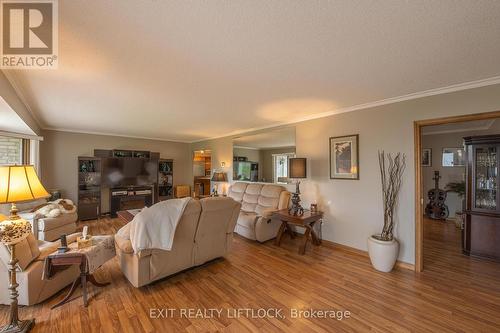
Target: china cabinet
{"points": [[481, 234]]}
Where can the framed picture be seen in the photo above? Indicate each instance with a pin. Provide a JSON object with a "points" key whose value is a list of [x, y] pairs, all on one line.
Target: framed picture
{"points": [[427, 157], [344, 157], [453, 157]]}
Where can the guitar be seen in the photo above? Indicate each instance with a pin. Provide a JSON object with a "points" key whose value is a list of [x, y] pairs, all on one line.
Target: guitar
{"points": [[436, 209]]}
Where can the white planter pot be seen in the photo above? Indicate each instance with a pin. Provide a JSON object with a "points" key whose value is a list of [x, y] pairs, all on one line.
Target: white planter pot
{"points": [[383, 254]]}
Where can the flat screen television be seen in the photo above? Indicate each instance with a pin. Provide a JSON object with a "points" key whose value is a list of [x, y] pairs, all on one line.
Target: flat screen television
{"points": [[124, 172]]}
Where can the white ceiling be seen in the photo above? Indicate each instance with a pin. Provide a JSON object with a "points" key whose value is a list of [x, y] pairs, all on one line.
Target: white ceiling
{"points": [[11, 122], [269, 139], [190, 70]]}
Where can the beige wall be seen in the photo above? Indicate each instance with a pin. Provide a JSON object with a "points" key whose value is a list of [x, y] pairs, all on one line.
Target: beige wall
{"points": [[253, 155], [353, 208], [59, 152]]}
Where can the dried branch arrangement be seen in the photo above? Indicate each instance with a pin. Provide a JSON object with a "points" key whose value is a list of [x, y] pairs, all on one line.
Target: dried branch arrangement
{"points": [[391, 172]]}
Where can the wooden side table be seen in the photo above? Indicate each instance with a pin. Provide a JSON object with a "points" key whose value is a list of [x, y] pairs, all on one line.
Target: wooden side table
{"points": [[88, 260], [79, 259], [307, 221]]}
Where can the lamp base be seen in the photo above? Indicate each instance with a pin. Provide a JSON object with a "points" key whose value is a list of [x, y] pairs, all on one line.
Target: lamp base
{"points": [[296, 209], [20, 326]]}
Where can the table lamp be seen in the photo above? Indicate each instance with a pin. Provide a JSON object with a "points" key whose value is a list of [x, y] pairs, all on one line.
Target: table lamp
{"points": [[17, 184], [297, 169], [218, 177]]}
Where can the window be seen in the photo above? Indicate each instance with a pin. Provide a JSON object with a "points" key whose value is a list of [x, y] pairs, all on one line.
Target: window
{"points": [[11, 150], [280, 167]]}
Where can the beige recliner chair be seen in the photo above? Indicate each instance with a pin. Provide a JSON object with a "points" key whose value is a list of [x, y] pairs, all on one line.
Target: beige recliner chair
{"points": [[258, 202], [44, 228], [31, 255], [204, 232]]}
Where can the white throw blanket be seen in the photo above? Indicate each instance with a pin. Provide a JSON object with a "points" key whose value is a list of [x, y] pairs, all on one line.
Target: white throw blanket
{"points": [[154, 227]]}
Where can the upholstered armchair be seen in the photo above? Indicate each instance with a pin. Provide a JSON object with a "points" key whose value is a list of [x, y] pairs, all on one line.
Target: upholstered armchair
{"points": [[258, 202], [44, 228], [31, 255]]}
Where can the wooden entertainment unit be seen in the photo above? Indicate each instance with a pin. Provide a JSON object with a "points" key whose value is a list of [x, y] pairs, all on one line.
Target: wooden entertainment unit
{"points": [[126, 198], [93, 187]]}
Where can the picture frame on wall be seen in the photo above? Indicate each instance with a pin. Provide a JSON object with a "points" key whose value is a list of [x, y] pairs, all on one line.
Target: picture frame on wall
{"points": [[453, 157], [427, 157], [344, 157]]}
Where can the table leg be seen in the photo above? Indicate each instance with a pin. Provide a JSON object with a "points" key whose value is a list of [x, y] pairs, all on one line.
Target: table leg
{"points": [[302, 249], [280, 233], [84, 289], [315, 239], [75, 285]]}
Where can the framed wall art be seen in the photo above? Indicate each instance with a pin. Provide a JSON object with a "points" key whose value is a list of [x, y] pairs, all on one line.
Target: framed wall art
{"points": [[453, 157], [344, 157], [427, 157]]}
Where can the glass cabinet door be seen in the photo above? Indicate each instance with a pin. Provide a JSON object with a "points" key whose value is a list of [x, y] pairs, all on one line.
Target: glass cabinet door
{"points": [[486, 174]]}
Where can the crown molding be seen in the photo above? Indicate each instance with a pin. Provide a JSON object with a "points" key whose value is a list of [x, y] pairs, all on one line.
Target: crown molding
{"points": [[244, 147], [58, 129], [21, 135], [13, 82], [469, 129], [425, 93]]}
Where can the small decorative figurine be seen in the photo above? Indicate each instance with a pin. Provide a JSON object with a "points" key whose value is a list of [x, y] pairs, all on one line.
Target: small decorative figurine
{"points": [[314, 208], [64, 245]]}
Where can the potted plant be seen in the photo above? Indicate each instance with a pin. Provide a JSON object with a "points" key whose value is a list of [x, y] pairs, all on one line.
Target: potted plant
{"points": [[384, 248], [459, 189]]}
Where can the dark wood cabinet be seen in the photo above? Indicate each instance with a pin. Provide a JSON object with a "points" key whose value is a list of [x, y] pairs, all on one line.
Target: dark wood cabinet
{"points": [[481, 234], [165, 179], [89, 187]]}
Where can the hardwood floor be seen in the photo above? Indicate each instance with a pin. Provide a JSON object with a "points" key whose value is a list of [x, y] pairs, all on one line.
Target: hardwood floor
{"points": [[453, 294]]}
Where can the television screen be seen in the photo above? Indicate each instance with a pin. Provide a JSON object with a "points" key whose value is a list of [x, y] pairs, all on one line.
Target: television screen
{"points": [[129, 172]]}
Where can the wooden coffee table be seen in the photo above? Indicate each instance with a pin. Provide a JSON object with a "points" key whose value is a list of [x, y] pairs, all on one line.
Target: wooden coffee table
{"points": [[307, 221], [127, 215]]}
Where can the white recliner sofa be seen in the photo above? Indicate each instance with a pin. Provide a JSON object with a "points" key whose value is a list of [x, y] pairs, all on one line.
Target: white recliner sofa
{"points": [[204, 232], [258, 202], [44, 228]]}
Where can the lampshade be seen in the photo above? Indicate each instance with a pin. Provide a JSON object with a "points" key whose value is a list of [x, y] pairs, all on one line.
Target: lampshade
{"points": [[219, 177], [297, 167], [20, 183]]}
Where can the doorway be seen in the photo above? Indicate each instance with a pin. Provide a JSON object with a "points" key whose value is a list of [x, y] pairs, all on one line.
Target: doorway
{"points": [[425, 157], [202, 170]]}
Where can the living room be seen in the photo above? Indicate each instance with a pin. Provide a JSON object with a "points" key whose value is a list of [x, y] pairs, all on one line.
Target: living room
{"points": [[279, 150]]}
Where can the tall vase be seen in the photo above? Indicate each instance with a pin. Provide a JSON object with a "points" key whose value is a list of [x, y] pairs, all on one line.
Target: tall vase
{"points": [[383, 254]]}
